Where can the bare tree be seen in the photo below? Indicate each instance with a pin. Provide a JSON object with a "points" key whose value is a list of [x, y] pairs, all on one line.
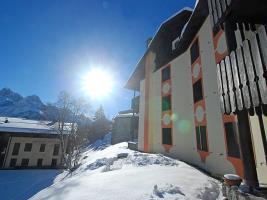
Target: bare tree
{"points": [[70, 110]]}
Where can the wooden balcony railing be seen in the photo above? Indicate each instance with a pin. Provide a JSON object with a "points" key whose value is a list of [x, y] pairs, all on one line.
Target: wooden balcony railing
{"points": [[217, 9], [242, 75]]}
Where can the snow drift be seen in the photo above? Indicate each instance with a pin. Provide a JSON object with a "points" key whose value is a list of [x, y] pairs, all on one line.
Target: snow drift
{"points": [[115, 172]]}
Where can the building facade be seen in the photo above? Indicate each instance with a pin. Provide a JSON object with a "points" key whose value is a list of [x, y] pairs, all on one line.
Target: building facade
{"points": [[202, 84], [125, 128], [29, 144]]}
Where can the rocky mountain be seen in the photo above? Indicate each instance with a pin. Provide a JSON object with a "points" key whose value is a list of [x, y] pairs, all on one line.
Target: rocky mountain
{"points": [[13, 104]]}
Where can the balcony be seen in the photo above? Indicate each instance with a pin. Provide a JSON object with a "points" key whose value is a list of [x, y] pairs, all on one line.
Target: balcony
{"points": [[135, 104], [242, 75], [238, 11]]}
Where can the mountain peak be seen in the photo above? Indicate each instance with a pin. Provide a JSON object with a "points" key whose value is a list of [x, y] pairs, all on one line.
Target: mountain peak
{"points": [[8, 93], [13, 104]]}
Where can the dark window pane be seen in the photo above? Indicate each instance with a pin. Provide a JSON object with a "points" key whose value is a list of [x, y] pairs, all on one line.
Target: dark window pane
{"points": [[13, 162], [166, 74], [197, 91], [231, 140], [166, 103], [54, 163], [167, 136], [39, 162], [56, 150], [204, 143], [42, 148], [201, 135], [194, 51], [28, 147], [198, 138], [25, 162], [16, 149]]}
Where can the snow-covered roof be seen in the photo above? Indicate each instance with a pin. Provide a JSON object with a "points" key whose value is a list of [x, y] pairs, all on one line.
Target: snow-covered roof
{"points": [[21, 125], [126, 115]]}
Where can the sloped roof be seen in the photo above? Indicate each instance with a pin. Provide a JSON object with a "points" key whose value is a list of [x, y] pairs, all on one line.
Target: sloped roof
{"points": [[185, 22], [21, 125]]}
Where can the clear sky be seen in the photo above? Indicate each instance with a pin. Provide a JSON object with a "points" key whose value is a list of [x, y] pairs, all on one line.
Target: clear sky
{"points": [[46, 46]]}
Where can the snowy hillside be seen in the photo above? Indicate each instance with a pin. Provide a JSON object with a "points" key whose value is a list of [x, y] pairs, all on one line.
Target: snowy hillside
{"points": [[116, 173]]}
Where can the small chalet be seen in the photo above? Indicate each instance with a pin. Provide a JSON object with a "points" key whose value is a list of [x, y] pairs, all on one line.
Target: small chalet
{"points": [[30, 143]]}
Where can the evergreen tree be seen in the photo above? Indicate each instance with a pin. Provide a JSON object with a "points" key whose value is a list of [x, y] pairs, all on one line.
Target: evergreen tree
{"points": [[100, 114], [100, 126]]}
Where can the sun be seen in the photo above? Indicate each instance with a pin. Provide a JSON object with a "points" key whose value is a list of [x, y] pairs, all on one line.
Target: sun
{"points": [[97, 83]]}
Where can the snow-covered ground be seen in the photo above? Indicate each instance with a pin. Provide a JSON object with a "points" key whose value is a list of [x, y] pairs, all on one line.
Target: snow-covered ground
{"points": [[115, 173], [22, 184]]}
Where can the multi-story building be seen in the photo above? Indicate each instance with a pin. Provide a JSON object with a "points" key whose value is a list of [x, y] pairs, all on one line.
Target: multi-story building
{"points": [[30, 143], [203, 94]]}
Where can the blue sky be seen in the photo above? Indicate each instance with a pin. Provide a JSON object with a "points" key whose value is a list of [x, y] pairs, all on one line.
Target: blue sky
{"points": [[46, 46]]}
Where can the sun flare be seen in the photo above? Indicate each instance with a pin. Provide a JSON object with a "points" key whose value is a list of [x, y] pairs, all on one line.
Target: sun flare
{"points": [[97, 83]]}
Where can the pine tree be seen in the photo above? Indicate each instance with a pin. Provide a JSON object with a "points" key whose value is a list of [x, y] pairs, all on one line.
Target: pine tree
{"points": [[100, 114], [100, 126]]}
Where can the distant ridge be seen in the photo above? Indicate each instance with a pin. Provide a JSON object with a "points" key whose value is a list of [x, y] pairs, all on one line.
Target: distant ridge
{"points": [[13, 104]]}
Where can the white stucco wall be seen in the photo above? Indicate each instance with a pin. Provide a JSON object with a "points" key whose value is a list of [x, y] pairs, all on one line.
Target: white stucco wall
{"points": [[34, 154], [155, 125], [184, 138], [141, 116], [261, 165], [214, 116], [182, 108]]}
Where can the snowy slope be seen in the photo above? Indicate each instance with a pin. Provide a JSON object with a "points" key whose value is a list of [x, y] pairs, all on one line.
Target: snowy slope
{"points": [[103, 175]]}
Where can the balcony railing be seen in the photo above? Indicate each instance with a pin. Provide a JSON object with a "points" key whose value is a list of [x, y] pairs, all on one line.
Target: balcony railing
{"points": [[242, 75], [135, 104], [217, 9]]}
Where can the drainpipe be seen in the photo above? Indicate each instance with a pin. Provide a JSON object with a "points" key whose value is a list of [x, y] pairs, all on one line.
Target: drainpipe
{"points": [[132, 121], [244, 131]]}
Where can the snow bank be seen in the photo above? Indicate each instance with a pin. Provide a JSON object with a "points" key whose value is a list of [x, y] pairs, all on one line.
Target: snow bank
{"points": [[105, 175]]}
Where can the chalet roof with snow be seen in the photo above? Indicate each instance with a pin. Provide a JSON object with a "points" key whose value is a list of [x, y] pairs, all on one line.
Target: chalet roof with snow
{"points": [[21, 125]]}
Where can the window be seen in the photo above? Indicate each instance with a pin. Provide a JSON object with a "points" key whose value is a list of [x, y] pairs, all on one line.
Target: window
{"points": [[166, 73], [54, 163], [167, 136], [198, 136], [166, 103], [39, 162], [13, 162], [42, 148], [231, 139], [201, 135], [28, 147], [16, 149], [56, 150], [194, 51], [25, 162], [197, 91]]}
